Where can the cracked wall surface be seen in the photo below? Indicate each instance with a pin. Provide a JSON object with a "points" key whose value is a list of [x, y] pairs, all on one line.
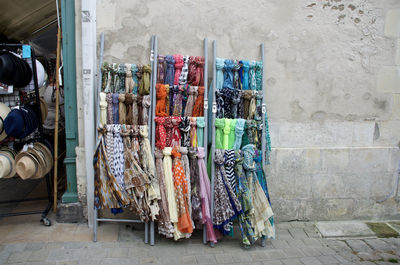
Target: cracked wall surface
{"points": [[332, 81]]}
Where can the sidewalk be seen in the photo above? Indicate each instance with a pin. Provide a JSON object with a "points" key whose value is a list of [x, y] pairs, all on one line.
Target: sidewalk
{"points": [[27, 242]]}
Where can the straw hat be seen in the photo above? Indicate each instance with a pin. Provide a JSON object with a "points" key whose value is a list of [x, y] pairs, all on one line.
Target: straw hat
{"points": [[28, 166], [44, 156], [7, 163], [4, 110]]}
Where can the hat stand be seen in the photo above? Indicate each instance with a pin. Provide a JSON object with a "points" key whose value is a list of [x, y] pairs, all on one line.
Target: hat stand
{"points": [[49, 198]]}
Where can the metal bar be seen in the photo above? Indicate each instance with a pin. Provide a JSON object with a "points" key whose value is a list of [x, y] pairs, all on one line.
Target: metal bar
{"points": [[152, 233], [95, 223], [263, 155], [205, 134], [97, 95], [25, 200], [21, 213], [118, 220], [146, 233], [214, 106]]}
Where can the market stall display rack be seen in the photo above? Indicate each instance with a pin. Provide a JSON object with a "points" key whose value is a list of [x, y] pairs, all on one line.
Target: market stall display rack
{"points": [[44, 219], [213, 112], [154, 56]]}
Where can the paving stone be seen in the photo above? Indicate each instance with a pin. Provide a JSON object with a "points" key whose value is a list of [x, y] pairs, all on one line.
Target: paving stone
{"points": [[310, 252], [137, 252], [328, 260], [4, 257], [63, 254], [291, 262], [35, 246], [273, 262], [358, 245], [188, 260], [384, 263], [74, 262], [119, 261], [338, 245], [378, 244], [344, 229], [258, 255], [367, 263], [39, 255], [298, 233], [299, 224], [349, 256], [294, 253], [284, 225], [296, 243], [367, 256], [326, 251], [312, 232], [241, 257], [148, 261], [392, 241], [283, 234], [205, 259], [14, 247], [118, 253], [341, 259], [224, 258], [168, 260], [18, 257], [88, 262], [274, 254], [198, 248], [280, 244], [310, 261], [312, 242], [387, 256], [75, 245]]}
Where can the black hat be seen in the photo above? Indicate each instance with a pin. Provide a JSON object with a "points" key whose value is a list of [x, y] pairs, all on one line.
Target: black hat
{"points": [[13, 70]]}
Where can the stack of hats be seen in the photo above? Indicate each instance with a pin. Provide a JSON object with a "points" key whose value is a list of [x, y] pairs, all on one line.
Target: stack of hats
{"points": [[13, 70], [21, 122], [35, 162], [7, 162]]}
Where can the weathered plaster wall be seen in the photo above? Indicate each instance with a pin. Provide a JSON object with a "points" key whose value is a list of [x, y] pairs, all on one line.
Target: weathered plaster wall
{"points": [[332, 79]]}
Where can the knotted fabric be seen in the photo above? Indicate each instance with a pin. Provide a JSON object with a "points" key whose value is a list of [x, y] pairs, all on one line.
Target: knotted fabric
{"points": [[176, 134], [109, 108], [178, 67], [115, 112], [267, 138], [205, 194], [245, 75], [135, 142], [118, 155], [258, 112], [219, 133], [169, 75], [198, 108], [161, 69], [230, 168], [144, 88], [239, 130], [228, 95], [251, 131], [236, 98], [259, 74], [105, 78], [192, 95], [219, 65], [185, 90], [228, 74], [226, 130], [192, 70], [145, 109], [252, 75], [236, 68], [128, 107], [247, 98], [258, 134], [193, 132], [135, 110], [122, 109], [134, 70], [252, 106], [103, 109], [164, 224], [168, 130], [161, 103], [199, 81], [169, 185], [161, 133], [114, 77], [121, 77], [195, 188], [110, 147], [185, 70], [129, 83], [184, 126], [200, 130], [186, 168], [219, 96], [177, 101], [226, 204], [184, 223], [139, 76]]}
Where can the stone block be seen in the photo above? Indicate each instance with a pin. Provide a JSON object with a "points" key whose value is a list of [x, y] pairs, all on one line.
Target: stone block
{"points": [[359, 246], [291, 262], [335, 160], [69, 213], [328, 260], [363, 133], [389, 79], [367, 160], [310, 261], [343, 229], [397, 59], [298, 233], [395, 106], [392, 23]]}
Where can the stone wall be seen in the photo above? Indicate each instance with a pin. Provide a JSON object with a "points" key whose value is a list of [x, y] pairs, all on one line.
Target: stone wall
{"points": [[332, 80]]}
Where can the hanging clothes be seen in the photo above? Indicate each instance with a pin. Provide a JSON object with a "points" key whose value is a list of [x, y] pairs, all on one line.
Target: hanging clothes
{"points": [[109, 108], [230, 168], [176, 133], [178, 68], [192, 95], [122, 109], [260, 173], [258, 112], [236, 80], [247, 97], [185, 70], [227, 96], [228, 74], [186, 169], [139, 76], [199, 80], [195, 199], [129, 83], [161, 69], [239, 130], [161, 103], [219, 98], [105, 78], [103, 109], [145, 110], [169, 185], [168, 131], [177, 100], [245, 75], [135, 70], [192, 70], [219, 65], [128, 107], [227, 131], [198, 108], [161, 133], [118, 155], [110, 146], [184, 126], [200, 130], [259, 75], [219, 133], [236, 98], [193, 132], [252, 75], [232, 137], [170, 72]]}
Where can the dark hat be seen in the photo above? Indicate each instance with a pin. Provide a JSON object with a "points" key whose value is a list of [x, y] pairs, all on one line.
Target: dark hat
{"points": [[21, 122], [14, 70]]}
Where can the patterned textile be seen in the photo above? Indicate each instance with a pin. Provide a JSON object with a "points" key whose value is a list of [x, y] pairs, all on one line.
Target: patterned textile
{"points": [[193, 132], [193, 91], [260, 173], [245, 75], [239, 130], [219, 65], [122, 109], [185, 90], [219, 133], [109, 145], [177, 101], [161, 133], [258, 113], [205, 194], [135, 110], [184, 126], [169, 185], [161, 103], [118, 155], [109, 108], [178, 67], [227, 132], [228, 96], [168, 131], [129, 83], [135, 70], [164, 224], [259, 74], [200, 131], [184, 224], [229, 168], [135, 142], [128, 107], [252, 75], [198, 108], [252, 106], [169, 75], [161, 69], [228, 74], [121, 76], [103, 109], [114, 77], [192, 70], [236, 68], [236, 98], [247, 98], [195, 188], [139, 77], [186, 169], [105, 78], [115, 112], [176, 133], [226, 204], [199, 81], [185, 70], [219, 96], [145, 109]]}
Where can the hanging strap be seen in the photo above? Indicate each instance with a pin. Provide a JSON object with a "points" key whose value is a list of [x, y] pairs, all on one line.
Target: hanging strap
{"points": [[219, 65]]}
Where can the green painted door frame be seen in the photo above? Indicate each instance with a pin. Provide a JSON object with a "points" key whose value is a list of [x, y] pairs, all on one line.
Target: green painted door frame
{"points": [[70, 106]]}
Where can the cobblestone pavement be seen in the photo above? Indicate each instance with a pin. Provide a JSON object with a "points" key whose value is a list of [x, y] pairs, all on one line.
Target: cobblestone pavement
{"points": [[296, 243]]}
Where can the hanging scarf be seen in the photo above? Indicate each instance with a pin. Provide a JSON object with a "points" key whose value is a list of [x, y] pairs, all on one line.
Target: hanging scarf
{"points": [[245, 75], [259, 74], [135, 142], [195, 188], [193, 132], [228, 95], [176, 134], [200, 130], [178, 67], [184, 126], [230, 167], [252, 106], [135, 110], [249, 104], [144, 83], [168, 130], [249, 128], [164, 224], [226, 131], [161, 100], [169, 185], [168, 109], [110, 147], [236, 68], [105, 77], [185, 70], [186, 170], [128, 107], [103, 109], [198, 108], [232, 136], [145, 109], [184, 223], [122, 109], [161, 133], [115, 108], [193, 91], [114, 77], [258, 133], [262, 216], [109, 108], [185, 91], [121, 76], [220, 104], [107, 192], [139, 76], [199, 81], [169, 76], [268, 139], [205, 195], [135, 70], [192, 70], [177, 101], [237, 95], [260, 173], [252, 75], [219, 133], [128, 79], [219, 65], [161, 69], [239, 130], [140, 109], [226, 204], [118, 155], [258, 112], [228, 74]]}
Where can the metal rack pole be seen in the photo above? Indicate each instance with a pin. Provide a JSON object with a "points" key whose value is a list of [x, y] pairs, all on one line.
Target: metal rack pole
{"points": [[205, 116], [263, 108]]}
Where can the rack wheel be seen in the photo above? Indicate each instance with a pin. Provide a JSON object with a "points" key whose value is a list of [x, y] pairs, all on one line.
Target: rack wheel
{"points": [[46, 221]]}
